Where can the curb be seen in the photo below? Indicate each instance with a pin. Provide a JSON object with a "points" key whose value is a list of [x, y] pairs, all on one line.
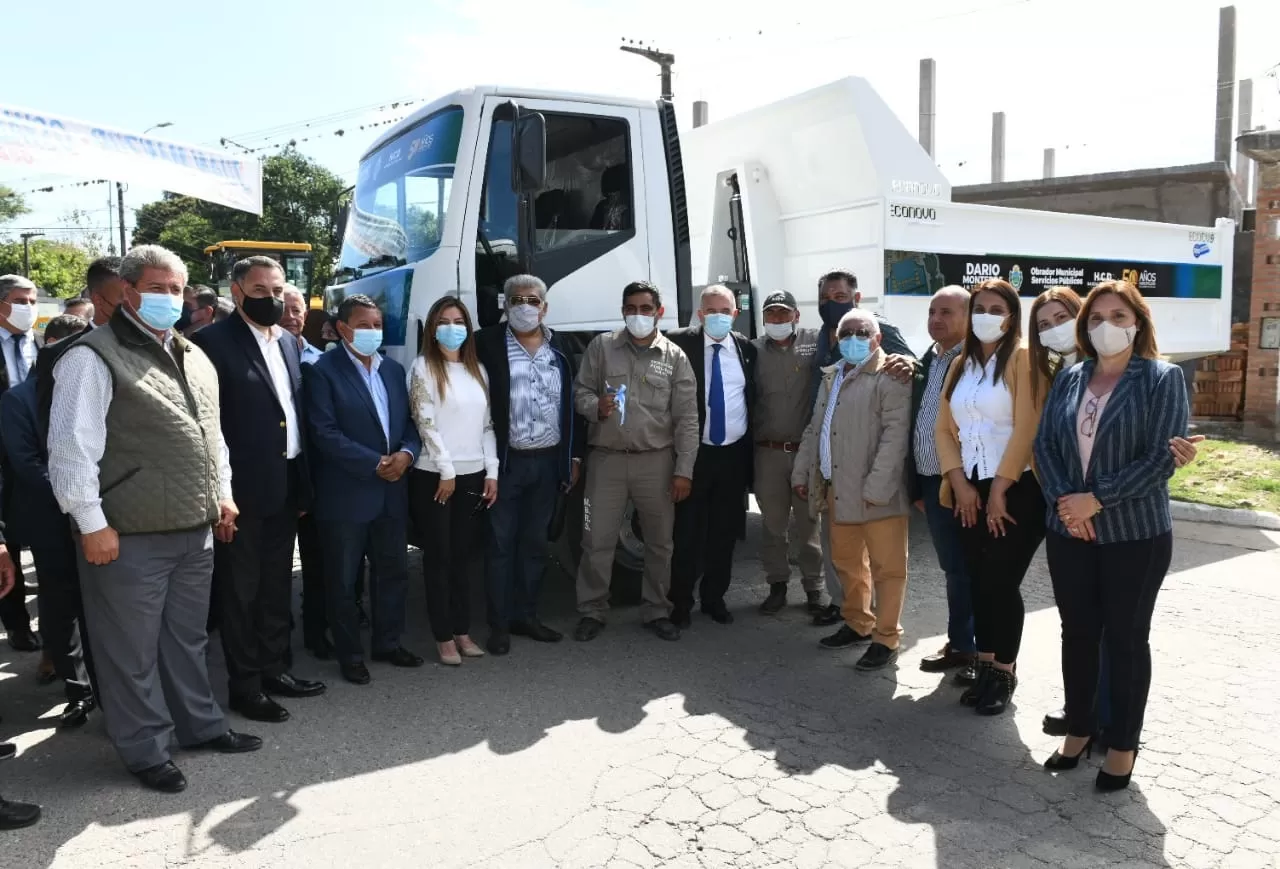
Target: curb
{"points": [[1189, 512]]}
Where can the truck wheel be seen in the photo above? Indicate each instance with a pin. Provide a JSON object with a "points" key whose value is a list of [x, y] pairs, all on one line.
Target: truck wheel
{"points": [[628, 559]]}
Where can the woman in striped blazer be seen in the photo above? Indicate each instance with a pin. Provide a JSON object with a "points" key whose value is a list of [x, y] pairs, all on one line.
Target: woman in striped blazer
{"points": [[1104, 460]]}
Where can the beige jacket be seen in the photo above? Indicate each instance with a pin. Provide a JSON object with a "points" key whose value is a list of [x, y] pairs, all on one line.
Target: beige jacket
{"points": [[870, 432]]}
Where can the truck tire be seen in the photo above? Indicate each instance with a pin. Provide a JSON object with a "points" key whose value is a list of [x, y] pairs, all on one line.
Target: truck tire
{"points": [[628, 559]]}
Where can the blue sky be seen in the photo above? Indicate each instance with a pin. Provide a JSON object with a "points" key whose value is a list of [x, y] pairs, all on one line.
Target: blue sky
{"points": [[1106, 83]]}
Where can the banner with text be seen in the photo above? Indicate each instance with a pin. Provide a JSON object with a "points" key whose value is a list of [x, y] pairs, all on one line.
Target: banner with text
{"points": [[913, 273], [36, 142]]}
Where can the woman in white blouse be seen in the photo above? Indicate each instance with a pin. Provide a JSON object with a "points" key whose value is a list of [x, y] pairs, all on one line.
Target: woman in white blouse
{"points": [[457, 474], [986, 427]]}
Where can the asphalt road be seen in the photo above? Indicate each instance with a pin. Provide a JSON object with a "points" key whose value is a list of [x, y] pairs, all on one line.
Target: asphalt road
{"points": [[739, 746]]}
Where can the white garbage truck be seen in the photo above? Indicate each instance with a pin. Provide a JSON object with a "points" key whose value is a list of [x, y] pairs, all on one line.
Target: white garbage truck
{"points": [[591, 193]]}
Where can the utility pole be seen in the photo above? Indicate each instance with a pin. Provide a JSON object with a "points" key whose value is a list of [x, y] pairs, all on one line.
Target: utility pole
{"points": [[664, 61], [26, 251], [120, 206]]}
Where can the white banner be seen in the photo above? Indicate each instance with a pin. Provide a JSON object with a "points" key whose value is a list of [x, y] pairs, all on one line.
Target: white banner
{"points": [[47, 143]]}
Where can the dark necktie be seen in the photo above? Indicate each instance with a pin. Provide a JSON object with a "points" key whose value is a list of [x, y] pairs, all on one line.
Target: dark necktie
{"points": [[715, 401], [19, 358]]}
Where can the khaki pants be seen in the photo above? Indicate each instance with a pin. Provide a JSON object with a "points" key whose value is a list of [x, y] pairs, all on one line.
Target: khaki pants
{"points": [[781, 509], [612, 479], [885, 542]]}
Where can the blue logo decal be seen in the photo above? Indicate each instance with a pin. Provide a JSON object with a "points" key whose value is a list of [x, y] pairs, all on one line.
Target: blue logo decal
{"points": [[1200, 249]]}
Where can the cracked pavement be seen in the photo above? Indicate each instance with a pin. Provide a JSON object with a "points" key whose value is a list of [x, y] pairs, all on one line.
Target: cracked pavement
{"points": [[740, 746]]}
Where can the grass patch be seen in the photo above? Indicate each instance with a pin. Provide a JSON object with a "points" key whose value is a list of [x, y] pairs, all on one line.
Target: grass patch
{"points": [[1229, 474]]}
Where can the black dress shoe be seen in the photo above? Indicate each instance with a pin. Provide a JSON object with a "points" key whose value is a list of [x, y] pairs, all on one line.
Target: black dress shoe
{"points": [[966, 675], [76, 714], [356, 674], [776, 601], [945, 659], [536, 631], [844, 638], [996, 698], [163, 777], [259, 707], [588, 629], [24, 640], [664, 628], [288, 685], [974, 692], [718, 612], [827, 617], [680, 618], [398, 657], [876, 656], [7, 750], [499, 644], [1055, 723], [813, 602], [230, 743], [15, 816]]}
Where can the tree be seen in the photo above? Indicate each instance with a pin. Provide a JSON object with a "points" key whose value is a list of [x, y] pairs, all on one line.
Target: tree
{"points": [[299, 203], [12, 204], [56, 267]]}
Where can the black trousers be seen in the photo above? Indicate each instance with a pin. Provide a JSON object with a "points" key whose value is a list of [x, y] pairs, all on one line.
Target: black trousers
{"points": [[708, 523], [315, 617], [253, 579], [446, 531], [997, 565], [62, 618], [1111, 588], [13, 607]]}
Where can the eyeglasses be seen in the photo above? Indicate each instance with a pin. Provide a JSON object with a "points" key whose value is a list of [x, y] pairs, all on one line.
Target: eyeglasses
{"points": [[536, 301], [861, 333], [1090, 422], [481, 504]]}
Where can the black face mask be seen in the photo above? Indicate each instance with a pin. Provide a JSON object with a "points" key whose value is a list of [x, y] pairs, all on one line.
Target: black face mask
{"points": [[831, 311], [265, 311], [184, 321]]}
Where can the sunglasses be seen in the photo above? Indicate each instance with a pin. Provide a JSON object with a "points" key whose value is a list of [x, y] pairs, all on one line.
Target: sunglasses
{"points": [[862, 333], [525, 300]]}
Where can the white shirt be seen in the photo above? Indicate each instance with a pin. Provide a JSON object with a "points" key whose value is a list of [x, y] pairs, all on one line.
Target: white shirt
{"points": [[824, 440], [78, 435], [735, 389], [457, 433], [273, 355], [9, 340], [982, 407]]}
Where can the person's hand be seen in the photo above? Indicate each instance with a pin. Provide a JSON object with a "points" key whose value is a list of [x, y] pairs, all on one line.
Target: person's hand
{"points": [[919, 505], [901, 368], [1184, 450], [1074, 509], [444, 491], [225, 529], [607, 403], [8, 575], [1083, 530], [101, 547], [968, 502], [997, 512], [392, 468], [680, 488], [575, 471], [802, 492], [490, 492]]}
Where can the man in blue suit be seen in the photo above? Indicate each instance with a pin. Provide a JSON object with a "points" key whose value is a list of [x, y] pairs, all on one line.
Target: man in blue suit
{"points": [[365, 440]]}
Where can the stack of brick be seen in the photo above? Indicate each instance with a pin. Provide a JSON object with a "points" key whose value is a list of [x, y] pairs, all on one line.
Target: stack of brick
{"points": [[1219, 385]]}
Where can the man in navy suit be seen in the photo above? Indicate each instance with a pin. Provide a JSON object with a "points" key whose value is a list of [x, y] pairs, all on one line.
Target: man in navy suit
{"points": [[260, 381], [41, 524], [365, 440]]}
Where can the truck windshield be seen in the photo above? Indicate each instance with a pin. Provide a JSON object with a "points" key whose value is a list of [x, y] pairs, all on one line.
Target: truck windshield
{"points": [[401, 196]]}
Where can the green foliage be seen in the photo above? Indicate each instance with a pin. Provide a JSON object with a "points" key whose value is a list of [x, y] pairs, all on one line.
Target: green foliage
{"points": [[56, 267], [12, 204], [299, 203]]}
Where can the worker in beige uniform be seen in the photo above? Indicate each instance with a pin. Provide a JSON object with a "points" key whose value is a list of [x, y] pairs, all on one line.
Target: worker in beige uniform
{"points": [[784, 375], [638, 391]]}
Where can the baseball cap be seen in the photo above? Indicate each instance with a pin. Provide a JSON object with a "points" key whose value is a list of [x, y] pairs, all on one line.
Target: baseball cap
{"points": [[782, 299]]}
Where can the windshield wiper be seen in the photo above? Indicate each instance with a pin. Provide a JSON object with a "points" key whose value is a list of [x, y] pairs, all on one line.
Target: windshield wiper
{"points": [[377, 264]]}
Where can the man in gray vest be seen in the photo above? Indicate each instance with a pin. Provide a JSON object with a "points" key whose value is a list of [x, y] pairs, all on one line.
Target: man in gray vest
{"points": [[136, 458]]}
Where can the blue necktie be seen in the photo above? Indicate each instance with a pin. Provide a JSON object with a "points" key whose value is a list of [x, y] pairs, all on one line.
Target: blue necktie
{"points": [[20, 357], [715, 401]]}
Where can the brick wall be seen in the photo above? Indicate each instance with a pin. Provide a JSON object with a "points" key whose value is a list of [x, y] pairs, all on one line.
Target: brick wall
{"points": [[1262, 385]]}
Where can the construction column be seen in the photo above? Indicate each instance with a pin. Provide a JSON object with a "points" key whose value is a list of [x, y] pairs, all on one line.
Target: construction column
{"points": [[1262, 380]]}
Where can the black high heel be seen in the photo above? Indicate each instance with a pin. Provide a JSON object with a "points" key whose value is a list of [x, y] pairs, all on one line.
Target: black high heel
{"points": [[1059, 762], [1106, 782], [974, 692]]}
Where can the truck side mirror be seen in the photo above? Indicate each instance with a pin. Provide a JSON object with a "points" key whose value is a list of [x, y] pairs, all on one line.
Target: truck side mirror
{"points": [[529, 153]]}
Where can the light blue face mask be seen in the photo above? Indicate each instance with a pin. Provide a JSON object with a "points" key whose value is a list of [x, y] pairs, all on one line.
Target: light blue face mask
{"points": [[451, 335], [717, 325], [855, 350], [366, 341], [159, 310]]}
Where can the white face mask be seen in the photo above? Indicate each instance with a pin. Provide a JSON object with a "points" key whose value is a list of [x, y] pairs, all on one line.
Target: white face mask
{"points": [[780, 331], [1061, 338], [22, 317], [1109, 339], [988, 328], [639, 325], [523, 318]]}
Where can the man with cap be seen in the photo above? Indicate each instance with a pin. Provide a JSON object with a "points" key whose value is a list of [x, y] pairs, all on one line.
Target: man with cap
{"points": [[784, 375]]}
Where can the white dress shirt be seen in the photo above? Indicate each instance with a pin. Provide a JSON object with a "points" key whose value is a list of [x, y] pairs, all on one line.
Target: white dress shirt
{"points": [[9, 341], [735, 389], [273, 355], [982, 407], [78, 435]]}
